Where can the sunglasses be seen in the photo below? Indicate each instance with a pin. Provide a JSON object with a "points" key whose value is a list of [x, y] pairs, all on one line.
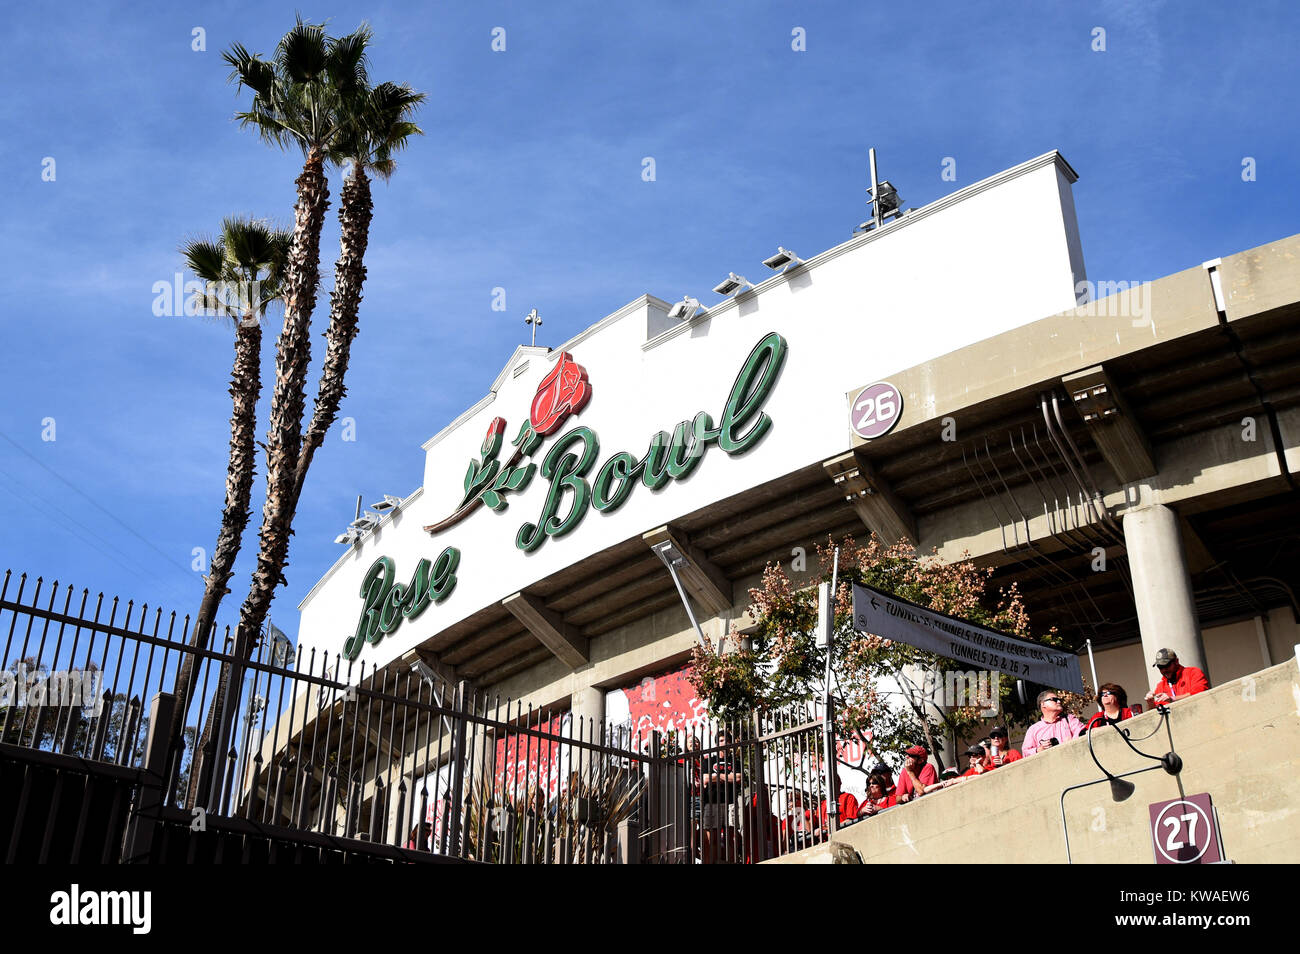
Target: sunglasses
{"points": [[1057, 699], [1107, 692]]}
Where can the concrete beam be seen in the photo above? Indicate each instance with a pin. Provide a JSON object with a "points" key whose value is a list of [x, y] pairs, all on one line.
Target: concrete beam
{"points": [[702, 579], [1261, 279], [1111, 423], [551, 631], [1199, 557], [877, 505], [519, 664], [1208, 469], [447, 674]]}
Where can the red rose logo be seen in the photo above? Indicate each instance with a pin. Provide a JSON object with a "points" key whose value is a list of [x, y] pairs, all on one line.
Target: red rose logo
{"points": [[492, 440], [563, 392]]}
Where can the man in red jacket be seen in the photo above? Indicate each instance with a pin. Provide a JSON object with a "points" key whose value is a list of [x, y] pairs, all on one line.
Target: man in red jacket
{"points": [[1176, 681]]}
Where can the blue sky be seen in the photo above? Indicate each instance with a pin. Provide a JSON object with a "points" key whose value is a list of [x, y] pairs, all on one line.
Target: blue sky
{"points": [[529, 178]]}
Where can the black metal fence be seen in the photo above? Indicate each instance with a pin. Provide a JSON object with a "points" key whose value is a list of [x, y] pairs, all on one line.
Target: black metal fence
{"points": [[317, 756]]}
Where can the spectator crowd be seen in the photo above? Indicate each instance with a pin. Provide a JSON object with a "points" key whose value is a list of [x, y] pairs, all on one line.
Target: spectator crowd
{"points": [[716, 809]]}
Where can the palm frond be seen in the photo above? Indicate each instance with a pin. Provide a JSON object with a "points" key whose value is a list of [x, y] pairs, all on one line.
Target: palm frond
{"points": [[206, 258], [271, 129], [348, 64], [303, 52], [277, 263], [381, 126], [244, 269], [249, 69]]}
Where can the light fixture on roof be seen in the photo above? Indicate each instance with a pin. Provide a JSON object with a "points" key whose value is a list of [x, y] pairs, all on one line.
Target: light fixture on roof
{"points": [[732, 283], [686, 309], [535, 320], [671, 556], [361, 525], [890, 201], [281, 646], [388, 503], [883, 198], [782, 258], [675, 560]]}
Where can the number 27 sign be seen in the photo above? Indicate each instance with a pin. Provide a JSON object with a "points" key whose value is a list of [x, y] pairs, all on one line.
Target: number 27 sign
{"points": [[1185, 831], [876, 410]]}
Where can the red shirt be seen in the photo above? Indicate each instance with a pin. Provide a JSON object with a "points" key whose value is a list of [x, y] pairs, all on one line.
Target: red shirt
{"points": [[848, 809], [1188, 681], [889, 801], [927, 775], [1100, 717], [1009, 755]]}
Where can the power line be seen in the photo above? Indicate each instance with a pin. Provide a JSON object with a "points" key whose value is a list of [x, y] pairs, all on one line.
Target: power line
{"points": [[93, 502], [114, 554]]}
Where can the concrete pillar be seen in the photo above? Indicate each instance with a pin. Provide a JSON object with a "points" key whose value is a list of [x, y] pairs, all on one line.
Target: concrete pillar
{"points": [[1162, 588], [589, 703]]}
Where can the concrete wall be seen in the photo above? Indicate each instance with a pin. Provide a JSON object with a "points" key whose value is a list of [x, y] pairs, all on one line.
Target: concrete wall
{"points": [[1239, 742], [1232, 651]]}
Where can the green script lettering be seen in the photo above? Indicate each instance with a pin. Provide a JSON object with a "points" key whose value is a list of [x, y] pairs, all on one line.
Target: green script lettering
{"points": [[668, 457], [567, 471], [385, 603], [749, 393]]}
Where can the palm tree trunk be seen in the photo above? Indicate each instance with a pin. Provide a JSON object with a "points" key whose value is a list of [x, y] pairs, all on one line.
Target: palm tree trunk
{"points": [[245, 387], [284, 437], [355, 212]]}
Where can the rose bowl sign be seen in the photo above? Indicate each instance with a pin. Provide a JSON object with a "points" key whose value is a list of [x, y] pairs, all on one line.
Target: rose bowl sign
{"points": [[580, 479], [572, 459], [876, 410]]}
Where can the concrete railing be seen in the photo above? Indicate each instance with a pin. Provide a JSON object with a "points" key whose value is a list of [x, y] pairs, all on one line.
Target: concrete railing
{"points": [[1240, 742]]}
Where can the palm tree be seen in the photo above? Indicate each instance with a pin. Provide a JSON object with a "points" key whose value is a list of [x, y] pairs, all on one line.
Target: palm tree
{"points": [[304, 97], [308, 95], [243, 271], [368, 146]]}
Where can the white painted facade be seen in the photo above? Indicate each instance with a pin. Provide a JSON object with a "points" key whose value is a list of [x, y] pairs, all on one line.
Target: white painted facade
{"points": [[993, 256]]}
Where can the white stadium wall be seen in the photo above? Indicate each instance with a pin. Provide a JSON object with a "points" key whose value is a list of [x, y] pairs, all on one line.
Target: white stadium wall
{"points": [[994, 256]]}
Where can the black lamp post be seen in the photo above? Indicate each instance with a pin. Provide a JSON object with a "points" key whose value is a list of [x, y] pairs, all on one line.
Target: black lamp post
{"points": [[1120, 787]]}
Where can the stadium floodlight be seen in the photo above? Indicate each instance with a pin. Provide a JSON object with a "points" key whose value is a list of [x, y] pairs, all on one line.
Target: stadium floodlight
{"points": [[883, 198], [281, 654], [675, 560], [733, 283], [671, 556], [782, 258], [349, 537], [366, 522], [388, 503], [888, 200], [686, 309], [535, 321]]}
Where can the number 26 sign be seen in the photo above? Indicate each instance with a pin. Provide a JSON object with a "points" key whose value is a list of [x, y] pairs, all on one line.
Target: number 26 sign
{"points": [[876, 410]]}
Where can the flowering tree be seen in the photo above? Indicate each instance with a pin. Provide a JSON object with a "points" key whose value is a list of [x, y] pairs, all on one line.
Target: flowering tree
{"points": [[782, 664]]}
